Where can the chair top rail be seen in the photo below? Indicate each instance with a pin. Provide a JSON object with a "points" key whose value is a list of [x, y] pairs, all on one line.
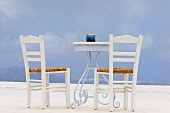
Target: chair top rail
{"points": [[31, 39], [125, 39]]}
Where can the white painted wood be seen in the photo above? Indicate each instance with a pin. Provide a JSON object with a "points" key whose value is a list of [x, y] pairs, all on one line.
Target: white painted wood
{"points": [[43, 84], [125, 91], [91, 46], [125, 85], [26, 72], [34, 59], [124, 53], [33, 80], [47, 93], [96, 84], [123, 60], [57, 90], [111, 74], [123, 82], [125, 39], [36, 85], [35, 89], [31, 39], [33, 53], [101, 91], [91, 43], [57, 72], [67, 81], [54, 87]]}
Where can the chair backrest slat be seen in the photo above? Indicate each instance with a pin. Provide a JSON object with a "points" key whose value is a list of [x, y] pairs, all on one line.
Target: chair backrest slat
{"points": [[123, 59], [33, 53], [124, 53], [34, 59]]}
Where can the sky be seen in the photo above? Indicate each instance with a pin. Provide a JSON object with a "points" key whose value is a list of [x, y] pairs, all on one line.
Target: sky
{"points": [[63, 22]]}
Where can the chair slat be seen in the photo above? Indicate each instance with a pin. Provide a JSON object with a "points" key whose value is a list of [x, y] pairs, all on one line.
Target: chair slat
{"points": [[123, 59], [124, 53], [32, 80], [56, 90], [33, 53], [122, 82], [53, 87], [34, 59]]}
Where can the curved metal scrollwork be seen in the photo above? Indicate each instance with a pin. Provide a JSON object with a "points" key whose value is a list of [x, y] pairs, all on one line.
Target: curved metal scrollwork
{"points": [[116, 104], [83, 94]]}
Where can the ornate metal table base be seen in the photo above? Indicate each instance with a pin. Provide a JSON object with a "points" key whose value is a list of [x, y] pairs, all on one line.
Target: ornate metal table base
{"points": [[83, 94]]}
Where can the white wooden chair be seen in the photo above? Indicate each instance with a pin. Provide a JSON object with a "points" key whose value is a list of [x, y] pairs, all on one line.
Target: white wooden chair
{"points": [[119, 86], [42, 84]]}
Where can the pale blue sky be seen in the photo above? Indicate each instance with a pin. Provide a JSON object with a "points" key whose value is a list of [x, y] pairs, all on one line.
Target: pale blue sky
{"points": [[65, 21]]}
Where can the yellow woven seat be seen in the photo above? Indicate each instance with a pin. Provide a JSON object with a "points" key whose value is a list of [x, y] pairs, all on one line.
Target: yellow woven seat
{"points": [[116, 70], [52, 69]]}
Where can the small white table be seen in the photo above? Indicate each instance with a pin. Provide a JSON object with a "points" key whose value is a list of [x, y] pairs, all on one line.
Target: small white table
{"points": [[91, 46], [87, 47]]}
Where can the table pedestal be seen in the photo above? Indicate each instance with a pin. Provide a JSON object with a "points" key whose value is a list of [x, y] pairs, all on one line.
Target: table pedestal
{"points": [[83, 94]]}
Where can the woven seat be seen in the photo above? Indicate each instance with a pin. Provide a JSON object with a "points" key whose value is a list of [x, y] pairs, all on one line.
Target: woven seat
{"points": [[116, 70], [37, 70]]}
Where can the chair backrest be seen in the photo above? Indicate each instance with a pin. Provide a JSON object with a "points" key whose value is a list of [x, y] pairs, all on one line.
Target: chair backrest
{"points": [[33, 56], [117, 56]]}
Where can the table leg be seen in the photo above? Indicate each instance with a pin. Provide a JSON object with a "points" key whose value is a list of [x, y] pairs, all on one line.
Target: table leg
{"points": [[82, 93]]}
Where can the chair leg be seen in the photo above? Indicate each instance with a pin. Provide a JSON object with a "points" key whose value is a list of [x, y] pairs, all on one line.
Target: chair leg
{"points": [[110, 96], [125, 93], [125, 99], [67, 81], [47, 93], [28, 89], [28, 97], [96, 84], [48, 99], [110, 100], [43, 101], [44, 94], [133, 99]]}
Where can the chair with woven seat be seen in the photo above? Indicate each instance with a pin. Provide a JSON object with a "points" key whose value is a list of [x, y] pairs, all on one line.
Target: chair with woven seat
{"points": [[127, 83], [43, 84]]}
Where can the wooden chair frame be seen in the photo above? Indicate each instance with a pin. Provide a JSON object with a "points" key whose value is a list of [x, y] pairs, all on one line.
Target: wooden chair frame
{"points": [[128, 86], [43, 84]]}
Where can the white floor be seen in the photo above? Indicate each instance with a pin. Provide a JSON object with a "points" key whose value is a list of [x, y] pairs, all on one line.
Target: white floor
{"points": [[150, 99]]}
